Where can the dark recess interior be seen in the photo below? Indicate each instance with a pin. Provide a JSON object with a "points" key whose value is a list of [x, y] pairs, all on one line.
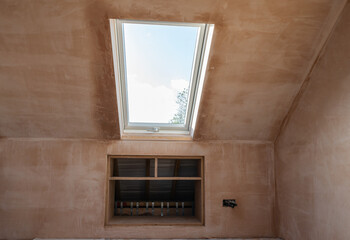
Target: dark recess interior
{"points": [[155, 197]]}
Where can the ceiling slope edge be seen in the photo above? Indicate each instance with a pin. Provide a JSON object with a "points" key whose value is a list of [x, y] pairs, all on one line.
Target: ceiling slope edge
{"points": [[329, 29]]}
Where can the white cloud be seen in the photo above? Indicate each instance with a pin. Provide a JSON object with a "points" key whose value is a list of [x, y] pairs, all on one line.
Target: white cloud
{"points": [[179, 84], [148, 103]]}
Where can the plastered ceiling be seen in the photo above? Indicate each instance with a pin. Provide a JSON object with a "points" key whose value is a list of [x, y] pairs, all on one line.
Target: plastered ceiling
{"points": [[56, 72]]}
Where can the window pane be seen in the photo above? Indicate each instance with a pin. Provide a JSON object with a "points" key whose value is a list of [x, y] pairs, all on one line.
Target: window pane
{"points": [[159, 61]]}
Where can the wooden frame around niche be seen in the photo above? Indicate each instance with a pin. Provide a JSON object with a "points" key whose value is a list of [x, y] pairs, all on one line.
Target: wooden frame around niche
{"points": [[111, 220]]}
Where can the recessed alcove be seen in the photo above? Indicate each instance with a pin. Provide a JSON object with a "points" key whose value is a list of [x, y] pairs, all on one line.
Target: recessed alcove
{"points": [[156, 190]]}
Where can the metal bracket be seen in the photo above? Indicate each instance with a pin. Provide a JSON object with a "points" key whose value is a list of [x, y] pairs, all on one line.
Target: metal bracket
{"points": [[229, 203]]}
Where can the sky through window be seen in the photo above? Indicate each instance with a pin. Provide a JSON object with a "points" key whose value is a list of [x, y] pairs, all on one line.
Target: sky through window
{"points": [[159, 61]]}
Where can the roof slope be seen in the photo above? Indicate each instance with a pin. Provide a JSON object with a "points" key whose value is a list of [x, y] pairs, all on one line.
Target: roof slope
{"points": [[56, 72]]}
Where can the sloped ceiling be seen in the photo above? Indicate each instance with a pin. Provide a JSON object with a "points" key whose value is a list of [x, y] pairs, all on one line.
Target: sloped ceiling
{"points": [[57, 80]]}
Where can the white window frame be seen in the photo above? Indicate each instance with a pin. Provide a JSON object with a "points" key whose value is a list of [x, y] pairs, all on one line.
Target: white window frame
{"points": [[196, 83]]}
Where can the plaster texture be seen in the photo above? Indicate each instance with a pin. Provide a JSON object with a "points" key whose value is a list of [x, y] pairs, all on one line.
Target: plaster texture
{"points": [[177, 239], [57, 91], [313, 151], [174, 239], [56, 72], [56, 189]]}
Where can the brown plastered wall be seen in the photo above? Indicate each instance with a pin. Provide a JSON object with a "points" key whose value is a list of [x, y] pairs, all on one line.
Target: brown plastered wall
{"points": [[56, 68], [56, 188], [313, 151]]}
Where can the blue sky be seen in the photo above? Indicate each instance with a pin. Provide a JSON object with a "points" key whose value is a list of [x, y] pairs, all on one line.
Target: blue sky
{"points": [[159, 61]]}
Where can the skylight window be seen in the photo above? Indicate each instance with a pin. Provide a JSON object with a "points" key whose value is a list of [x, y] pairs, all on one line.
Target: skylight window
{"points": [[159, 69]]}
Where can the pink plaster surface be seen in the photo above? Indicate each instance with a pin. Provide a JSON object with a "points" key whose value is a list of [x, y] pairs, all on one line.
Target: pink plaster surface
{"points": [[313, 151], [56, 81], [56, 189], [57, 77]]}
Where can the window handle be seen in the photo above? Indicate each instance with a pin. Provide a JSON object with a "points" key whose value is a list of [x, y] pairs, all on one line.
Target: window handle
{"points": [[154, 129]]}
